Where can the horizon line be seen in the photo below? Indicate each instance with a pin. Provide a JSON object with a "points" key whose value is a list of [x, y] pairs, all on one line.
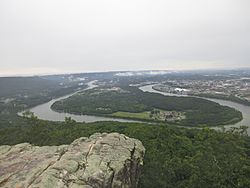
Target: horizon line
{"points": [[110, 71]]}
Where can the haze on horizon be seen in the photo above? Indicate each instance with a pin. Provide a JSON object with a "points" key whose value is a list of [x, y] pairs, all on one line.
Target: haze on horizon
{"points": [[62, 36]]}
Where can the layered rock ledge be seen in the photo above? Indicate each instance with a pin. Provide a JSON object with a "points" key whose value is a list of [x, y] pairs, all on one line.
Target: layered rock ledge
{"points": [[100, 161]]}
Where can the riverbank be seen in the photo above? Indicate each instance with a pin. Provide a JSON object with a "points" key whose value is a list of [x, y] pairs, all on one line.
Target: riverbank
{"points": [[245, 110], [100, 104], [224, 97], [45, 112]]}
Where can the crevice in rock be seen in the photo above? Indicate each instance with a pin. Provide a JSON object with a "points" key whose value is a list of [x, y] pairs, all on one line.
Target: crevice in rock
{"points": [[61, 154], [4, 181], [7, 179], [90, 149], [40, 173], [131, 168], [52, 163], [112, 175]]}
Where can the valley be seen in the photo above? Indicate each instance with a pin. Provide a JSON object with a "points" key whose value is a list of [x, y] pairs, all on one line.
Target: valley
{"points": [[177, 153], [183, 111]]}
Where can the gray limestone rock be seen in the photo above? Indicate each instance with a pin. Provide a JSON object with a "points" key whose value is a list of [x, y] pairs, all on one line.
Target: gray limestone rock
{"points": [[100, 161]]}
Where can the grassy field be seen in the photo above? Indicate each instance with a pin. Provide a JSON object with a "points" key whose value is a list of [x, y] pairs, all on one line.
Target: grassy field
{"points": [[139, 115], [131, 102]]}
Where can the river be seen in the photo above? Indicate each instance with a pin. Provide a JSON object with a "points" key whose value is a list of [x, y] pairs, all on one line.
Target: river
{"points": [[45, 112], [245, 110]]}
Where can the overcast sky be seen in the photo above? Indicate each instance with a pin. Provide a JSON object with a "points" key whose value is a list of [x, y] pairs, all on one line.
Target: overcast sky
{"points": [[56, 36]]}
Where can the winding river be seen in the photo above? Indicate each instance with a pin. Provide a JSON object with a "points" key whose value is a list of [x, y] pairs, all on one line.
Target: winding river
{"points": [[44, 111], [245, 110]]}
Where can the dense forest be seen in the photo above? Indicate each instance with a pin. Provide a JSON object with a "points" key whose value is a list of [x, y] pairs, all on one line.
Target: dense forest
{"points": [[19, 93], [103, 101], [174, 157]]}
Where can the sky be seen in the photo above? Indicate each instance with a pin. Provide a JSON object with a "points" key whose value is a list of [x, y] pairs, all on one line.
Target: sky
{"points": [[64, 36]]}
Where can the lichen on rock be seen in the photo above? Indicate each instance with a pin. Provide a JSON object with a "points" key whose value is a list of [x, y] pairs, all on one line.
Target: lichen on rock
{"points": [[100, 161]]}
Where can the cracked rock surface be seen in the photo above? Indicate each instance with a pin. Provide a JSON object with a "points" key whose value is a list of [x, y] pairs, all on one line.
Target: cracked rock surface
{"points": [[100, 161]]}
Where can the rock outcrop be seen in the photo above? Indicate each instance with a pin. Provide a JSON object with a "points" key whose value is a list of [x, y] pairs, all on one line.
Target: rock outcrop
{"points": [[100, 161]]}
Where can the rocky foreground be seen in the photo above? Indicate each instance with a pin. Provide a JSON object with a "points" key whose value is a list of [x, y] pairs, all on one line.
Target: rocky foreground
{"points": [[100, 161]]}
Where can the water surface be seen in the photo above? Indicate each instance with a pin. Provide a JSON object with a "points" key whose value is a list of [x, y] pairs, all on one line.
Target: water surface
{"points": [[245, 110], [45, 112]]}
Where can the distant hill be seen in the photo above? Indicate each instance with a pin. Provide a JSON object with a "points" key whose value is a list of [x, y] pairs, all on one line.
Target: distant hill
{"points": [[11, 86]]}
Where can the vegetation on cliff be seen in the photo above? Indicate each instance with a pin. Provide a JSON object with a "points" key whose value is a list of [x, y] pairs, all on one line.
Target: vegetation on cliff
{"points": [[174, 157]]}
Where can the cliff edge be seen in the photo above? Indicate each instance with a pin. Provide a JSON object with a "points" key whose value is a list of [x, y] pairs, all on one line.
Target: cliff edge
{"points": [[100, 161]]}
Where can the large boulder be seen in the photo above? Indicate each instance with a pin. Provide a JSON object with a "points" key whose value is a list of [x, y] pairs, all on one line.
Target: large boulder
{"points": [[100, 161]]}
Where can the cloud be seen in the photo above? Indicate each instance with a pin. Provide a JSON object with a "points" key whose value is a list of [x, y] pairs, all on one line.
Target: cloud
{"points": [[142, 73], [96, 35]]}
